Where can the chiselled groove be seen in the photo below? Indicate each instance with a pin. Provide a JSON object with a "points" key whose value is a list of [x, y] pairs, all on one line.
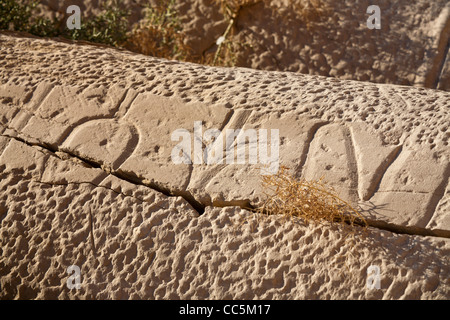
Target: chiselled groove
{"points": [[441, 69], [437, 196], [403, 191], [130, 147], [132, 178], [380, 171], [124, 104], [20, 119], [237, 119], [189, 177], [227, 119], [28, 143], [113, 116], [152, 257], [30, 114], [70, 128], [309, 139], [13, 116], [127, 151], [36, 102], [63, 136], [352, 163]]}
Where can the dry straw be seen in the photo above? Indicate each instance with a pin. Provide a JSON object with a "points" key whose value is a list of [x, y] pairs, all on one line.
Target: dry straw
{"points": [[294, 200], [312, 201]]}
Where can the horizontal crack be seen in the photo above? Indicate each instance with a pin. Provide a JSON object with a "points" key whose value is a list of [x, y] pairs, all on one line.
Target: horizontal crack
{"points": [[383, 225], [411, 230], [126, 176], [132, 178]]}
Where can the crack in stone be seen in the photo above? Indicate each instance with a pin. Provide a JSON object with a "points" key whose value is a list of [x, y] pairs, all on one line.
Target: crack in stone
{"points": [[200, 208], [122, 175], [92, 184], [410, 230]]}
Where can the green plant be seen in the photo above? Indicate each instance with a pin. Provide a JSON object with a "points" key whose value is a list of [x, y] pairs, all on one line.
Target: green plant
{"points": [[14, 15], [160, 34], [109, 27], [44, 27], [18, 16]]}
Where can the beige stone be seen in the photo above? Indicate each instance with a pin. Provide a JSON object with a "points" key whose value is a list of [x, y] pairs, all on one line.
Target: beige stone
{"points": [[87, 178], [326, 37]]}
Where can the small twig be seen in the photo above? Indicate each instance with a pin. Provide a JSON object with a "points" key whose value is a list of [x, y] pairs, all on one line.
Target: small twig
{"points": [[216, 56]]}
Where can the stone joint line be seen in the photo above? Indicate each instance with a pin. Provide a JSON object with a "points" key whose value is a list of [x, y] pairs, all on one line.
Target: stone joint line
{"points": [[200, 207]]}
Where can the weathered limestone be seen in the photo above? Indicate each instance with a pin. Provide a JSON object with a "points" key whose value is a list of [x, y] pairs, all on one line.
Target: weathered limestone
{"points": [[401, 183], [372, 159], [132, 242], [155, 119], [327, 38], [87, 178]]}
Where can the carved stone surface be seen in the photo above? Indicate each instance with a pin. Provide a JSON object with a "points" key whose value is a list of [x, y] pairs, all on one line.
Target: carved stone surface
{"points": [[87, 178]]}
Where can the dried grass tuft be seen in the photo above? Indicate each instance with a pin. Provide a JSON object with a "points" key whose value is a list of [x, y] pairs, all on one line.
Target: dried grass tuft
{"points": [[312, 201]]}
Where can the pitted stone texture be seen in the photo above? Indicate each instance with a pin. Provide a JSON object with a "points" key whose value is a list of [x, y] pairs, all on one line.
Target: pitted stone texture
{"points": [[372, 158], [53, 215], [323, 37], [107, 141], [144, 245], [441, 218], [388, 145], [332, 158], [156, 119]]}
